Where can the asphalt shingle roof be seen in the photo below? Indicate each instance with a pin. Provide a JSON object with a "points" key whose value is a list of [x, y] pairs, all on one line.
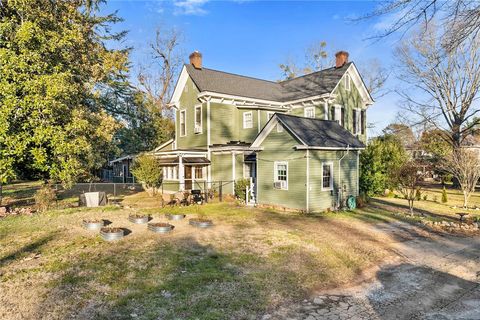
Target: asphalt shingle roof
{"points": [[313, 84], [320, 133]]}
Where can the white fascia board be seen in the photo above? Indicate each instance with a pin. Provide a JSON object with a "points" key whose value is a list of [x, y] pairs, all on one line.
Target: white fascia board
{"points": [[304, 147], [230, 148], [268, 128], [183, 153], [238, 98], [182, 80], [318, 97], [163, 145]]}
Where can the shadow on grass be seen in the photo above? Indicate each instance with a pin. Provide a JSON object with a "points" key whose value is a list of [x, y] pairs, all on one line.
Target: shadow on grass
{"points": [[387, 205], [32, 247], [181, 280]]}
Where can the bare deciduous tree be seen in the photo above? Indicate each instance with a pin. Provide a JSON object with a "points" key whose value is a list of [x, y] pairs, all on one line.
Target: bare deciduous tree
{"points": [[375, 77], [407, 179], [464, 164], [442, 87], [158, 81], [461, 18]]}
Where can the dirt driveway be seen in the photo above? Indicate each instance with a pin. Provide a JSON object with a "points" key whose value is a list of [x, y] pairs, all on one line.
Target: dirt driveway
{"points": [[433, 276]]}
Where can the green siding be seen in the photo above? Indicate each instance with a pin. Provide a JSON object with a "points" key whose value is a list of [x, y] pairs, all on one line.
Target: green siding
{"points": [[350, 100], [320, 200], [171, 185], [222, 169], [247, 134], [239, 166], [319, 111], [224, 126], [279, 146], [188, 101], [168, 147]]}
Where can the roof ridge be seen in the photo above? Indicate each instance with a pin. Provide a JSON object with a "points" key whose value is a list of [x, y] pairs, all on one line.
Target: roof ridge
{"points": [[238, 75], [311, 73]]}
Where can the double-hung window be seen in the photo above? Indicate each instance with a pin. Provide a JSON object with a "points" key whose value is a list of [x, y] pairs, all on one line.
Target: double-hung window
{"points": [[247, 120], [363, 115], [198, 119], [183, 123], [281, 175], [338, 115], [327, 176], [309, 112]]}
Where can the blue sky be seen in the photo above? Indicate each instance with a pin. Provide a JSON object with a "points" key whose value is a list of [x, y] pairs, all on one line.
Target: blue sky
{"points": [[253, 37]]}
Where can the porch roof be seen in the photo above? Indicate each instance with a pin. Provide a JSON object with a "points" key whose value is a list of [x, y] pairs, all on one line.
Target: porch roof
{"points": [[186, 160]]}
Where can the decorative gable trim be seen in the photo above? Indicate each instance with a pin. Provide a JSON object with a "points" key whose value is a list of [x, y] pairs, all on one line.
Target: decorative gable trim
{"points": [[352, 71], [272, 123], [177, 93]]}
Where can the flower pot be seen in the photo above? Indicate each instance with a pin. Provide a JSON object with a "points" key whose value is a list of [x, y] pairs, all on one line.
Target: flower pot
{"points": [[176, 216], [201, 223], [93, 225], [110, 234], [160, 227], [138, 219]]}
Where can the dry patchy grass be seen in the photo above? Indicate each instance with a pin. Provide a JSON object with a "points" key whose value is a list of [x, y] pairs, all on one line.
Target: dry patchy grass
{"points": [[250, 262]]}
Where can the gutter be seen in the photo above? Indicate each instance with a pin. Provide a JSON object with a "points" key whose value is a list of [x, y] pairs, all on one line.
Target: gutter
{"points": [[339, 170]]}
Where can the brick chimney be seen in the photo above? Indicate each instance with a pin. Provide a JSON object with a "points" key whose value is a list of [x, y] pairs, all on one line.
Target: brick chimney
{"points": [[196, 59], [341, 57]]}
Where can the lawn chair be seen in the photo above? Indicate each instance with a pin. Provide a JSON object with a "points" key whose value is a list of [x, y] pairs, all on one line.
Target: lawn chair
{"points": [[197, 197]]}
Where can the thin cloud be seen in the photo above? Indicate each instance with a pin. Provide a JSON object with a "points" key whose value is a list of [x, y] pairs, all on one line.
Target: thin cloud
{"points": [[190, 7]]}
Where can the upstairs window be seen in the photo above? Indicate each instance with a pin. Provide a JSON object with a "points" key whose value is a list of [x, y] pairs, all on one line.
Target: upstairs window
{"points": [[183, 126], [339, 115], [309, 112], [347, 82], [325, 110], [327, 176], [356, 121], [363, 124], [247, 120], [198, 119]]}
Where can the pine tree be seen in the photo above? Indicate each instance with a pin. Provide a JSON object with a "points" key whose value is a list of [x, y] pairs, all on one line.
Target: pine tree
{"points": [[444, 196]]}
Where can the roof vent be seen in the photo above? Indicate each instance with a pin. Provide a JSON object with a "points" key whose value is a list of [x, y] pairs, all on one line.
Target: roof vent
{"points": [[196, 59], [341, 57]]}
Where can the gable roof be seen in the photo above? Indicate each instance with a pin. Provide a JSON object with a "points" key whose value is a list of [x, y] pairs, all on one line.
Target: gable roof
{"points": [[313, 84], [314, 133]]}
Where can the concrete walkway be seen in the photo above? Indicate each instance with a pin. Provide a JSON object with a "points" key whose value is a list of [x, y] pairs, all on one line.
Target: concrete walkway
{"points": [[434, 277]]}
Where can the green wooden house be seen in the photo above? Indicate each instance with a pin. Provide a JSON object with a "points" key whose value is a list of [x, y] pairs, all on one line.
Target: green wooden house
{"points": [[297, 141]]}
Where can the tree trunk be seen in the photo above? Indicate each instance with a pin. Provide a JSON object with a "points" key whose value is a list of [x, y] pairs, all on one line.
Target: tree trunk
{"points": [[410, 205], [1, 193], [465, 198]]}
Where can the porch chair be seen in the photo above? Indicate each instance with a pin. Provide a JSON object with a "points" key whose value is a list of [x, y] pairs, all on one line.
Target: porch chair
{"points": [[197, 197]]}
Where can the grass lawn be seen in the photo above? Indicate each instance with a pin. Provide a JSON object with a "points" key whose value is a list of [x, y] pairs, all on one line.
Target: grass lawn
{"points": [[436, 210], [250, 262]]}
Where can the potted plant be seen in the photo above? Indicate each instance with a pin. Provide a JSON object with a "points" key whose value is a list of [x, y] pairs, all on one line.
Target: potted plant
{"points": [[160, 227], [111, 233], [138, 218], [93, 224]]}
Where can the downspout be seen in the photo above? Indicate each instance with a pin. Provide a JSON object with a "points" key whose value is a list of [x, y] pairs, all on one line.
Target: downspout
{"points": [[340, 171], [209, 154]]}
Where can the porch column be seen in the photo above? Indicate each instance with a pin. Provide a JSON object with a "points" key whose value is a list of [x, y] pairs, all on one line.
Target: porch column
{"points": [[181, 172], [233, 171]]}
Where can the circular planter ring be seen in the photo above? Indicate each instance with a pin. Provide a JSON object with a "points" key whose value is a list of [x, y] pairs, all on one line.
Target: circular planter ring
{"points": [[175, 217], [201, 223], [110, 234], [160, 227], [93, 225], [139, 219]]}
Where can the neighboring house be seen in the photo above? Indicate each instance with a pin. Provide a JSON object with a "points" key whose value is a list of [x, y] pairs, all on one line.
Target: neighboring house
{"points": [[298, 140], [121, 169]]}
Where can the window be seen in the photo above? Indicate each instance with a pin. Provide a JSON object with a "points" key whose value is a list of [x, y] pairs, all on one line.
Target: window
{"points": [[309, 112], [183, 127], [327, 176], [338, 114], [198, 119], [325, 110], [363, 115], [342, 116], [281, 175], [198, 172], [247, 120], [170, 173], [347, 82], [356, 121]]}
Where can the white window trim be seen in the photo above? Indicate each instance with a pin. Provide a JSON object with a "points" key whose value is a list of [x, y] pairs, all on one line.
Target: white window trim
{"points": [[184, 122], [270, 115], [358, 119], [325, 110], [338, 114], [251, 123], [348, 82], [199, 106], [330, 163], [275, 172], [308, 109]]}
